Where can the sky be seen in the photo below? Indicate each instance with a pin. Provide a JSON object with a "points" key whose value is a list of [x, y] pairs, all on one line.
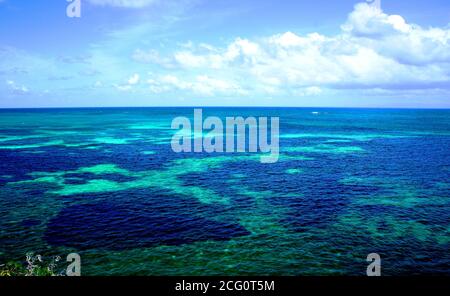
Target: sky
{"points": [[322, 53]]}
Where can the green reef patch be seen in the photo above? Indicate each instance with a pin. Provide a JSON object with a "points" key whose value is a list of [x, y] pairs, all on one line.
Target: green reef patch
{"points": [[325, 148], [347, 136], [148, 152], [390, 227], [32, 146], [150, 126], [393, 198], [114, 141], [167, 179], [5, 138], [294, 171], [393, 192]]}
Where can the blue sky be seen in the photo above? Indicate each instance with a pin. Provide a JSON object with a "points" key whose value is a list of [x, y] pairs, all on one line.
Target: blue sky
{"points": [[347, 53]]}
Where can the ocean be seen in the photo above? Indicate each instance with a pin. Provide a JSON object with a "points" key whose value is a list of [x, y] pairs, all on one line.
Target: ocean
{"points": [[105, 183]]}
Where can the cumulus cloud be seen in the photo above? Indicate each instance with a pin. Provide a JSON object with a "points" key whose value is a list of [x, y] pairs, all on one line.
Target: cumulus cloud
{"points": [[134, 79], [374, 54], [393, 37], [368, 20], [374, 50]]}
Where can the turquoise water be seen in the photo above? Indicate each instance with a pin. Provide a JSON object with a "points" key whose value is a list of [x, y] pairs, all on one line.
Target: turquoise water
{"points": [[106, 184]]}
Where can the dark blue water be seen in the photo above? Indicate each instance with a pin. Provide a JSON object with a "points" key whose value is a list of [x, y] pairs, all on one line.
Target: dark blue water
{"points": [[106, 183]]}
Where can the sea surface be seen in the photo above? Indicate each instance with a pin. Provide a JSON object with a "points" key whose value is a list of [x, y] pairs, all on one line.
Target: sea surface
{"points": [[106, 184]]}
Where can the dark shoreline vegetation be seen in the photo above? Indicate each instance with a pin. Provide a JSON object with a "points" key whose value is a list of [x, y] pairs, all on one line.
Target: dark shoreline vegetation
{"points": [[104, 183], [18, 269], [33, 265]]}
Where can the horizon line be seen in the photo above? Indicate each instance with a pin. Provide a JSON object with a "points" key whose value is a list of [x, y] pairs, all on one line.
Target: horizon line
{"points": [[287, 107]]}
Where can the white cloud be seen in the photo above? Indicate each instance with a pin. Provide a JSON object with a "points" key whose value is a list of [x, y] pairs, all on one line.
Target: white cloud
{"points": [[131, 82], [216, 58], [123, 3], [201, 85], [17, 89], [189, 59], [373, 51], [393, 37], [308, 91], [123, 87], [368, 20], [134, 79]]}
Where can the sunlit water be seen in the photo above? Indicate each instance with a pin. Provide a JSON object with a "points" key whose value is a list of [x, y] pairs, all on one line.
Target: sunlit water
{"points": [[106, 184]]}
